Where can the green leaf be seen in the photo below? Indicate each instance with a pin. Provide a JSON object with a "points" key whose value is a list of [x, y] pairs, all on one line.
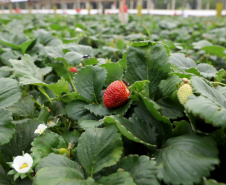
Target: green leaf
{"points": [[120, 44], [91, 61], [212, 182], [6, 127], [43, 145], [215, 50], [71, 137], [86, 124], [210, 105], [114, 72], [208, 109], [55, 52], [11, 54], [97, 109], [179, 60], [27, 45], [55, 161], [24, 107], [222, 90], [43, 36], [28, 72], [201, 43], [139, 87], [121, 110], [192, 71], [141, 168], [169, 86], [73, 58], [55, 41], [220, 74], [7, 43], [149, 62], [181, 128], [146, 125], [76, 110], [123, 61], [23, 46], [170, 44], [99, 148], [9, 92], [60, 87], [76, 54], [89, 82], [67, 98], [85, 50], [57, 108], [61, 175], [21, 140], [5, 71], [154, 108], [118, 178], [135, 37], [4, 179], [201, 87], [171, 107], [207, 71], [101, 110], [43, 115], [121, 123], [186, 159], [155, 128]]}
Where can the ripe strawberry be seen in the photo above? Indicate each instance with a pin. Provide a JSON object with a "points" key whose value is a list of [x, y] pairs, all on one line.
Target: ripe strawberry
{"points": [[184, 91], [116, 94], [73, 69]]}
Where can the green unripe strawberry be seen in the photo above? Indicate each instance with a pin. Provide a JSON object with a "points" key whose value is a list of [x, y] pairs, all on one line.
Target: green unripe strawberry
{"points": [[184, 91], [63, 151]]}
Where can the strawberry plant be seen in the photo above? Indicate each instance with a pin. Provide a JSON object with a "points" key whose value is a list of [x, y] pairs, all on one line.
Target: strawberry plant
{"points": [[152, 113]]}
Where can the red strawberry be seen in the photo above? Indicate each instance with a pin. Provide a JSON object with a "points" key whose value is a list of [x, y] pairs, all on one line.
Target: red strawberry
{"points": [[116, 94], [73, 69]]}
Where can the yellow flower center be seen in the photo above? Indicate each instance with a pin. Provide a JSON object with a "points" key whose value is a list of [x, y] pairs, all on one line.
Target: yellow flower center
{"points": [[50, 122], [24, 166]]}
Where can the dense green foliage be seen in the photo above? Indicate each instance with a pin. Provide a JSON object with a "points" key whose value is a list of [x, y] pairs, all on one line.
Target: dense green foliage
{"points": [[151, 139]]}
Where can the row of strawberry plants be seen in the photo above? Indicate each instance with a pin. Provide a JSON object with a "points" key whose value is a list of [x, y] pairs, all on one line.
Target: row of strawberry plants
{"points": [[160, 135]]}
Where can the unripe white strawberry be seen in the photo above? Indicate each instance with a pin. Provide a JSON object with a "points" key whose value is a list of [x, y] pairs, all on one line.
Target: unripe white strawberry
{"points": [[184, 91]]}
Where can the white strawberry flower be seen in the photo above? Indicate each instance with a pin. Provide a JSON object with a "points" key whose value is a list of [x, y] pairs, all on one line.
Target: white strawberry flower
{"points": [[22, 164], [51, 124], [78, 30], [40, 129]]}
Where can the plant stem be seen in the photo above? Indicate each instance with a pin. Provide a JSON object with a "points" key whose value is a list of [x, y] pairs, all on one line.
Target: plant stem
{"points": [[71, 81], [37, 103], [44, 93], [91, 172], [218, 83], [69, 76], [149, 34], [69, 125], [30, 177]]}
